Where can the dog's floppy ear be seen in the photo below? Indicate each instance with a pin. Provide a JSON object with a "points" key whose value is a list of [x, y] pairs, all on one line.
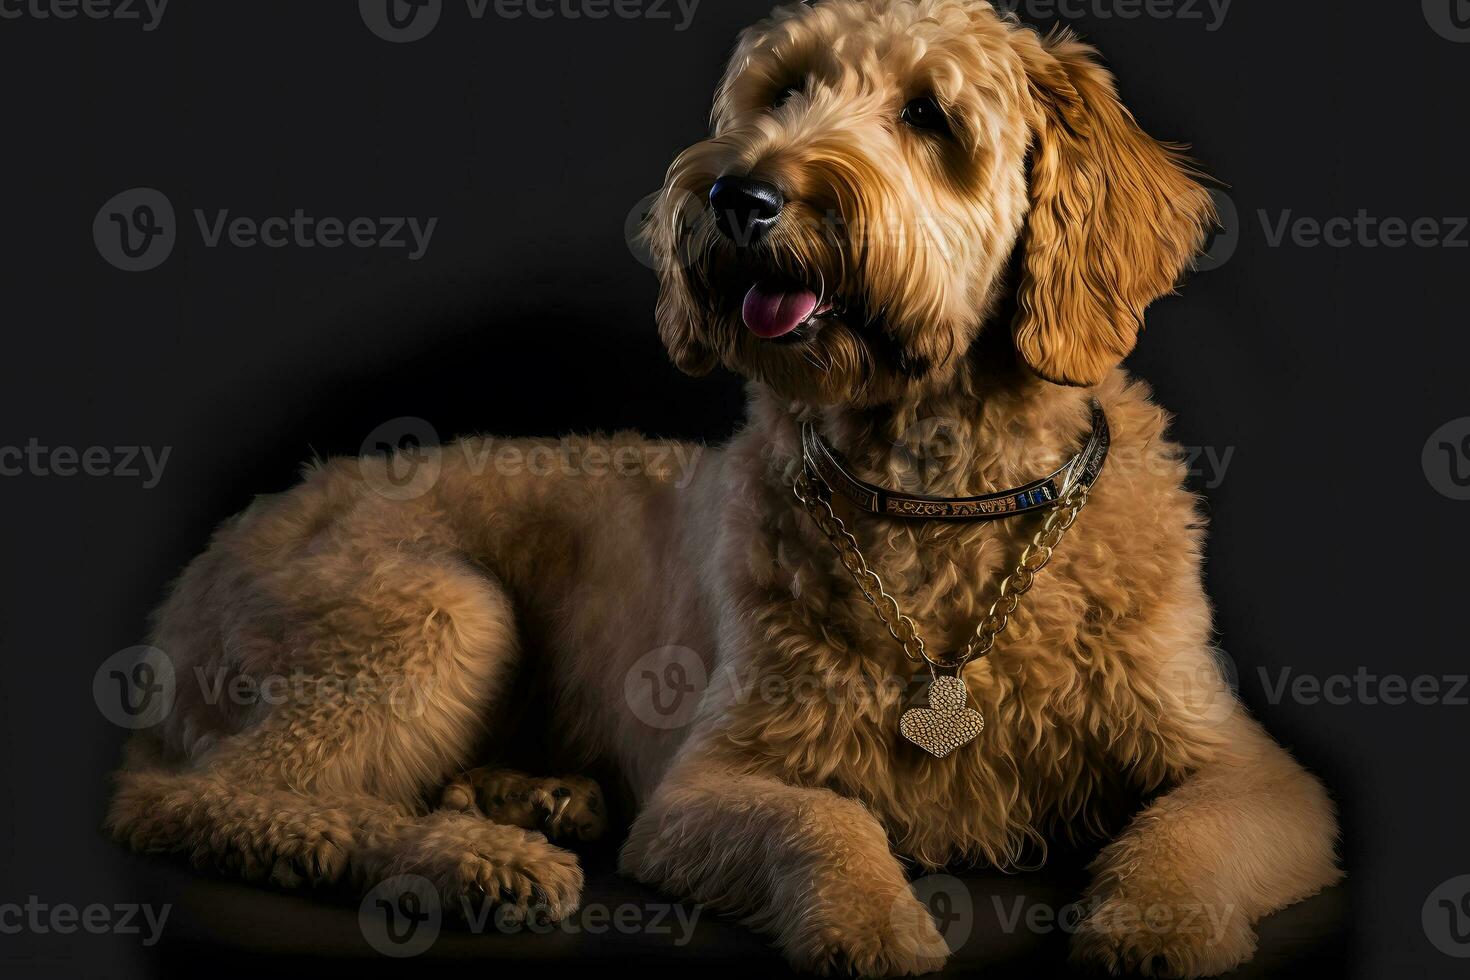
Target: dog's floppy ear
{"points": [[688, 353], [676, 311], [1115, 217]]}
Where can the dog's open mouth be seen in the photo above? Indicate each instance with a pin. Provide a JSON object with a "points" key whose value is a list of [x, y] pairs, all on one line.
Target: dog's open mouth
{"points": [[774, 310]]}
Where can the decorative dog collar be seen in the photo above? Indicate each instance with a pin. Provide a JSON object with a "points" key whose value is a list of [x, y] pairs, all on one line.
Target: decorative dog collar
{"points": [[826, 463], [948, 722]]}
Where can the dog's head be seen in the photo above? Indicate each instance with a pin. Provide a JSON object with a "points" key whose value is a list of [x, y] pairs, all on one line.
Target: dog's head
{"points": [[845, 232]]}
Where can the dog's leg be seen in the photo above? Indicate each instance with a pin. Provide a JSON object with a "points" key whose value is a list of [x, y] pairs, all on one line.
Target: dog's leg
{"points": [[276, 834], [294, 839], [809, 867], [393, 664], [1243, 835]]}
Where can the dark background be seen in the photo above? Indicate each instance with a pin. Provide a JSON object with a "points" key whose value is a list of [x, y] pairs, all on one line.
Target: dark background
{"points": [[1323, 370]]}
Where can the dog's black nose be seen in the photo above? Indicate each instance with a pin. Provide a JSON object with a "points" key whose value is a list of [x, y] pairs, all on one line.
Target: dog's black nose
{"points": [[745, 208]]}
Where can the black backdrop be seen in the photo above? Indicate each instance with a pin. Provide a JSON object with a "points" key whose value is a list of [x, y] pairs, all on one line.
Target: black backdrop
{"points": [[1322, 371]]}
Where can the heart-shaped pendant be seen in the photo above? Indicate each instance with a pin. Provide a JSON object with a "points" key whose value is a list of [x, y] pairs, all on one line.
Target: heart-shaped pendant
{"points": [[946, 724]]}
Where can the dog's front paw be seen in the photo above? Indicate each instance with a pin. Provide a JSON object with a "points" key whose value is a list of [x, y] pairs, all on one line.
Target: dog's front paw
{"points": [[1124, 934], [871, 939], [478, 866]]}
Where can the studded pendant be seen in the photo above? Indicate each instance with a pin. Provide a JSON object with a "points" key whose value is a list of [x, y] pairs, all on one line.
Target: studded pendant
{"points": [[947, 723]]}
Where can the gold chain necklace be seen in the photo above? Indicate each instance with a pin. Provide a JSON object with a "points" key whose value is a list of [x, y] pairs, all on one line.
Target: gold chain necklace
{"points": [[947, 723]]}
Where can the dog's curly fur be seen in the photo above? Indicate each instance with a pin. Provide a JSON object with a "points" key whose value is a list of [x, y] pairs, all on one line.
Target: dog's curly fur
{"points": [[987, 281]]}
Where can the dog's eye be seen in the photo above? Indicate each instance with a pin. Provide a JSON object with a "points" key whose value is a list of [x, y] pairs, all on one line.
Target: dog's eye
{"points": [[925, 113]]}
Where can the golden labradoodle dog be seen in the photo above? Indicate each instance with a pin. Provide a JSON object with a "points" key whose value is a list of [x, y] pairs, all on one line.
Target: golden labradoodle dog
{"points": [[908, 211]]}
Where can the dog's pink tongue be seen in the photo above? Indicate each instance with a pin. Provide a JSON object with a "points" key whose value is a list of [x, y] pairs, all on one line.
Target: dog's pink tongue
{"points": [[771, 313]]}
